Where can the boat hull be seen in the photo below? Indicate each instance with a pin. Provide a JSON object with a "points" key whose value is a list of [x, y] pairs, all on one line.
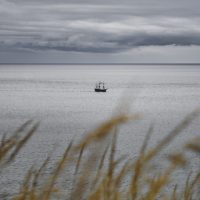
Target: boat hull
{"points": [[100, 90]]}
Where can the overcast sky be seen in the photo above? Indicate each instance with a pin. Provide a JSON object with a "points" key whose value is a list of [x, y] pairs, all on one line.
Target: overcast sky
{"points": [[116, 31]]}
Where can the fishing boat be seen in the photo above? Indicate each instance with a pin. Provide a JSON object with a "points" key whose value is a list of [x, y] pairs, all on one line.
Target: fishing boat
{"points": [[100, 87]]}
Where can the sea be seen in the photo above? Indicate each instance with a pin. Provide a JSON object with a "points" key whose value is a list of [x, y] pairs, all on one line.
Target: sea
{"points": [[62, 99]]}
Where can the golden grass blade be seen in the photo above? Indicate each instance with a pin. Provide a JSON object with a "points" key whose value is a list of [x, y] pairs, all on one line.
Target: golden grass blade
{"points": [[187, 188], [98, 193], [80, 188], [178, 159], [78, 164], [174, 194], [8, 144], [190, 185], [60, 166], [138, 166], [111, 165], [195, 147], [134, 185], [25, 189], [112, 158], [38, 173], [6, 148], [3, 140], [158, 183], [175, 132], [121, 174], [119, 160], [16, 136], [23, 127], [146, 140], [43, 166], [104, 130], [196, 180], [10, 147], [83, 184], [99, 168], [79, 160], [23, 141]]}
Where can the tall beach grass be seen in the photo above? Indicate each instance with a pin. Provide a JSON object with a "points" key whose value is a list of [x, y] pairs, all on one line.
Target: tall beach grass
{"points": [[98, 173]]}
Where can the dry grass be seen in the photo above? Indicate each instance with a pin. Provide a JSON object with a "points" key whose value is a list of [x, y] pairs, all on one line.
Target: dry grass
{"points": [[100, 174]]}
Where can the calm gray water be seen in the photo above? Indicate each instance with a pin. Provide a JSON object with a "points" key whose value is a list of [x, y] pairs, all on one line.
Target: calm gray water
{"points": [[64, 102]]}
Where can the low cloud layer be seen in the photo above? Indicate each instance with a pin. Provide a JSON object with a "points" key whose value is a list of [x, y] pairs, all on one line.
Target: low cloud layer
{"points": [[97, 26]]}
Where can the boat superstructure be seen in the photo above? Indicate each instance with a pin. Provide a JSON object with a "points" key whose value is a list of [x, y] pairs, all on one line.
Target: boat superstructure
{"points": [[100, 87]]}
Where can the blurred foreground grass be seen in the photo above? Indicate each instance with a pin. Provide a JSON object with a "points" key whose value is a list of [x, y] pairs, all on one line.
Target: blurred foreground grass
{"points": [[101, 174]]}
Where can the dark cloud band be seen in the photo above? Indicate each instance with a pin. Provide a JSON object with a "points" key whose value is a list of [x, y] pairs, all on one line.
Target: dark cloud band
{"points": [[97, 26]]}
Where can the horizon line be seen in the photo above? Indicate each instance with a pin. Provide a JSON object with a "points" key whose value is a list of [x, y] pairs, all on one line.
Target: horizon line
{"points": [[151, 63]]}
